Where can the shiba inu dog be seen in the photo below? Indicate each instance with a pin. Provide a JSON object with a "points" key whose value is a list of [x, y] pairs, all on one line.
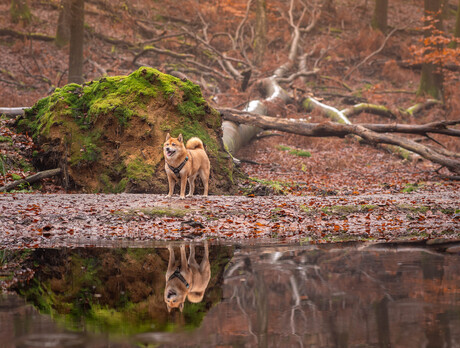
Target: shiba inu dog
{"points": [[189, 280], [184, 163]]}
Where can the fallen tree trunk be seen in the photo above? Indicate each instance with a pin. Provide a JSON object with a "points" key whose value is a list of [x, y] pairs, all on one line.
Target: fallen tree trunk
{"points": [[236, 135], [291, 125], [332, 129], [31, 179], [21, 35], [12, 111]]}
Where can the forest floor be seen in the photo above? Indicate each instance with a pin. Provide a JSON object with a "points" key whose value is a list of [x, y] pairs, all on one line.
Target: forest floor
{"points": [[63, 220], [294, 188]]}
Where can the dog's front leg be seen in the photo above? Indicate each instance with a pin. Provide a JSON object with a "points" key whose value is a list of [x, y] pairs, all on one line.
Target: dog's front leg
{"points": [[172, 183], [191, 257], [183, 185], [183, 259], [171, 263], [206, 253]]}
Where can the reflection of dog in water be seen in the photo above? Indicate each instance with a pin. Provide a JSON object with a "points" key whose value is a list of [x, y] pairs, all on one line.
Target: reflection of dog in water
{"points": [[189, 280]]}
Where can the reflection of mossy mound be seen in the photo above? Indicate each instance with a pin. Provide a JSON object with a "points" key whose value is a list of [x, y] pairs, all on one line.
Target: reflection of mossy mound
{"points": [[116, 291], [108, 134]]}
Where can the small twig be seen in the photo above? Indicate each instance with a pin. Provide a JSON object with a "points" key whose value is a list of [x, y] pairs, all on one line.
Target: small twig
{"points": [[243, 21], [296, 75], [161, 37], [372, 54], [242, 160], [161, 51], [434, 140], [338, 81], [18, 84]]}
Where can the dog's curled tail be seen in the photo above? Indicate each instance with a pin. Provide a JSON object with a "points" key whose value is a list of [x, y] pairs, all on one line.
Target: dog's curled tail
{"points": [[194, 143]]}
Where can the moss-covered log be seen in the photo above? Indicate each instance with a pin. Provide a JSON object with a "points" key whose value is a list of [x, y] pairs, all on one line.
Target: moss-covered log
{"points": [[107, 135]]}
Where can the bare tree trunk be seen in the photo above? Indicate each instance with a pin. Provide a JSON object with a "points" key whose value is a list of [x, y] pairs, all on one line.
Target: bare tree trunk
{"points": [[260, 40], [380, 17], [76, 42], [457, 23], [63, 26], [431, 80]]}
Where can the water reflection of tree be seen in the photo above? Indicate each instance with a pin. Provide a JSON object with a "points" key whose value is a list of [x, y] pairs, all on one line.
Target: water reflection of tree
{"points": [[332, 298]]}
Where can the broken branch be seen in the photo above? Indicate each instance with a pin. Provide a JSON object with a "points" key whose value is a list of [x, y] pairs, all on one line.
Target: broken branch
{"points": [[31, 179]]}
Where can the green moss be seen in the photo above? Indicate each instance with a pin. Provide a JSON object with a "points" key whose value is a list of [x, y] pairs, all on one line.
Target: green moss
{"points": [[165, 211], [295, 152], [413, 208], [3, 167], [139, 169], [4, 139], [278, 187], [87, 149], [25, 166], [122, 96], [411, 187], [16, 176], [283, 148], [450, 211], [40, 294], [110, 187], [158, 211], [339, 209], [300, 153], [227, 170]]}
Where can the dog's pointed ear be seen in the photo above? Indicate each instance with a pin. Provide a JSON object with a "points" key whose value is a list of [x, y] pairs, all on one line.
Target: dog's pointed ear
{"points": [[180, 138], [168, 136], [181, 306]]}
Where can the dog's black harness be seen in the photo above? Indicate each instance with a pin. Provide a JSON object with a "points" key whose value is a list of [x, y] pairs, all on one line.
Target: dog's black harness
{"points": [[176, 170], [177, 274]]}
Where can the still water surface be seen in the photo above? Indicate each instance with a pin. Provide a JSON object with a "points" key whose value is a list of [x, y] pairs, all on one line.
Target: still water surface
{"points": [[265, 296]]}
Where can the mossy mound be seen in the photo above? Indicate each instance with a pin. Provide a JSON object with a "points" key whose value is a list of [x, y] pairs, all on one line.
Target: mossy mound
{"points": [[108, 134]]}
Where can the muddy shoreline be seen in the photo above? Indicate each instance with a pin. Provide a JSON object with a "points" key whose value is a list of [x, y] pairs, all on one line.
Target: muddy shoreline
{"points": [[63, 220]]}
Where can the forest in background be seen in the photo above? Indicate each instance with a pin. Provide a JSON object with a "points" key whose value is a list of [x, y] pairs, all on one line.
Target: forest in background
{"points": [[344, 60]]}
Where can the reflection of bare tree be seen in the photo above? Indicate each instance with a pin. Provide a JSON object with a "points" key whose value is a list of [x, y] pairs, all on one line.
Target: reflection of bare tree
{"points": [[383, 325], [339, 298]]}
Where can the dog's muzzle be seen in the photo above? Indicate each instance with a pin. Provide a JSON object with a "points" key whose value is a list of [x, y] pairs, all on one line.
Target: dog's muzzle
{"points": [[170, 152]]}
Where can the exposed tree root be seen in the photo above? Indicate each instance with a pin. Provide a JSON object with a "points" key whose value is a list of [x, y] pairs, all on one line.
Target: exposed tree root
{"points": [[31, 179]]}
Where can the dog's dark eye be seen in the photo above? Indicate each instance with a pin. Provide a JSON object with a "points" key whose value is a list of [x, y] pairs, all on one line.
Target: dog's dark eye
{"points": [[173, 144]]}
